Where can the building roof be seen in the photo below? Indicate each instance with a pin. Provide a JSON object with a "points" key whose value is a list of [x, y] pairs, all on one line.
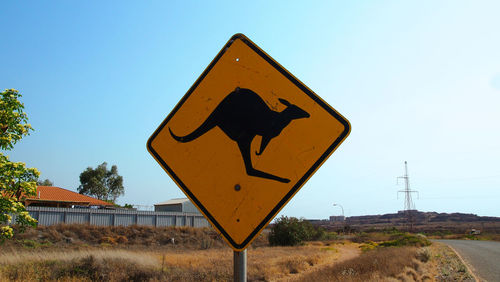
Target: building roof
{"points": [[56, 194], [173, 202]]}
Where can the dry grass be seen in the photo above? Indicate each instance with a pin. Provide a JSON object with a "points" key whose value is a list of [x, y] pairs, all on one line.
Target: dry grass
{"points": [[135, 253], [380, 264], [140, 258], [78, 236], [267, 264], [87, 268], [366, 237], [447, 266], [436, 262], [264, 264]]}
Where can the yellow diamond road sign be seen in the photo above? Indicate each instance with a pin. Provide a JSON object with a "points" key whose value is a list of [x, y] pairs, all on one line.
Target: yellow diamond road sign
{"points": [[244, 139]]}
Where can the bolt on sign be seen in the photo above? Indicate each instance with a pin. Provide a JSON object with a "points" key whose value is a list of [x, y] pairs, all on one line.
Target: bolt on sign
{"points": [[244, 139]]}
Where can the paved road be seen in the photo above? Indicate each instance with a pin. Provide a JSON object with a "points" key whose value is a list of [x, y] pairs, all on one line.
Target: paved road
{"points": [[483, 256]]}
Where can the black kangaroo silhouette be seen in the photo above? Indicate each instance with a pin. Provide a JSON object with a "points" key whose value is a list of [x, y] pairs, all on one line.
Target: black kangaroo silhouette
{"points": [[242, 115]]}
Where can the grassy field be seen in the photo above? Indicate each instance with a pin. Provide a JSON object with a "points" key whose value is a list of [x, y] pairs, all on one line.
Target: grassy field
{"points": [[89, 253], [111, 264]]}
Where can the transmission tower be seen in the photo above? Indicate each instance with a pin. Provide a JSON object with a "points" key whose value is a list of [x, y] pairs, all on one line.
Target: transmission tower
{"points": [[409, 208]]}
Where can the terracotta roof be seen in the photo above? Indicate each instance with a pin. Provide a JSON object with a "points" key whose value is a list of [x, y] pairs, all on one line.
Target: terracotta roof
{"points": [[56, 194]]}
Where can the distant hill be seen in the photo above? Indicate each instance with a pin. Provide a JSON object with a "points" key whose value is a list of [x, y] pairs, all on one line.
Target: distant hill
{"points": [[422, 222], [420, 218]]}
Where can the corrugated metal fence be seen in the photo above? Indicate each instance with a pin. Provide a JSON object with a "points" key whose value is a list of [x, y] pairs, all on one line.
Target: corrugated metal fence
{"points": [[51, 216]]}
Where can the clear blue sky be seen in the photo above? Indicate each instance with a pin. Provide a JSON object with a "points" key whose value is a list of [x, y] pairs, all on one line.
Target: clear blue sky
{"points": [[418, 81]]}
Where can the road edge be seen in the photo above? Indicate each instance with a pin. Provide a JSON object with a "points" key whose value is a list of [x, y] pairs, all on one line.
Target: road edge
{"points": [[467, 265]]}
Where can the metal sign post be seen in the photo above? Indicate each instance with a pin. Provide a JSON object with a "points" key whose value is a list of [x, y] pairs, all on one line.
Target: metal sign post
{"points": [[240, 266]]}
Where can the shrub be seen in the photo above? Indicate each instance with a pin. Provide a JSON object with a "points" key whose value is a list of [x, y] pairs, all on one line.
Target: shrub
{"points": [[368, 246], [407, 239], [120, 239], [290, 231], [107, 240], [32, 244], [424, 255]]}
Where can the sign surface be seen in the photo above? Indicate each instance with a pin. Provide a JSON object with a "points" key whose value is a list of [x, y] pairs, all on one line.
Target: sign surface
{"points": [[244, 139]]}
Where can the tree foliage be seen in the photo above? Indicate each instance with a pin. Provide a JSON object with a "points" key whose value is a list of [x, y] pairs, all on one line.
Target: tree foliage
{"points": [[291, 231], [46, 182], [13, 121], [102, 183], [16, 180]]}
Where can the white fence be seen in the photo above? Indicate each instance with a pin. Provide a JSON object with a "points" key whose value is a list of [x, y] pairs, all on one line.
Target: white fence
{"points": [[102, 217]]}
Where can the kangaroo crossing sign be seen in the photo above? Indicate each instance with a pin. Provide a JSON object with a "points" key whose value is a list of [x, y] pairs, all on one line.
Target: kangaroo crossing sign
{"points": [[244, 139]]}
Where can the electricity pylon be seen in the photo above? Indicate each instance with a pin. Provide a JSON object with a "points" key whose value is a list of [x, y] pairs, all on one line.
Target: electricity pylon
{"points": [[409, 206]]}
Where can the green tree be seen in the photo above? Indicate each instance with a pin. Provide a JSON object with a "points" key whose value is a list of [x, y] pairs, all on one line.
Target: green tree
{"points": [[102, 183], [291, 231], [16, 180], [46, 182]]}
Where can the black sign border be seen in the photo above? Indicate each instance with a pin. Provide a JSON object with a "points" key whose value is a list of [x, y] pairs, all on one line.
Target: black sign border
{"points": [[302, 180]]}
